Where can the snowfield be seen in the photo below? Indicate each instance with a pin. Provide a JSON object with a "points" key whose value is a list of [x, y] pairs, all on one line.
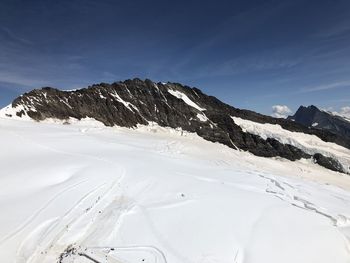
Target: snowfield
{"points": [[72, 193]]}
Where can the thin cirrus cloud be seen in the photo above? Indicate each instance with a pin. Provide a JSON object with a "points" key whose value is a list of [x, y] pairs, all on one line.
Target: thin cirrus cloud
{"points": [[11, 36], [238, 51], [337, 30], [335, 85], [18, 79]]}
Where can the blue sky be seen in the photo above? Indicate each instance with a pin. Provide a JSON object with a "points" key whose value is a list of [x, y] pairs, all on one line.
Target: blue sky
{"points": [[251, 54]]}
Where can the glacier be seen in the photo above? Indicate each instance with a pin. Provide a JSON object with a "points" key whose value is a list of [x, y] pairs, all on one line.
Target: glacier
{"points": [[155, 194]]}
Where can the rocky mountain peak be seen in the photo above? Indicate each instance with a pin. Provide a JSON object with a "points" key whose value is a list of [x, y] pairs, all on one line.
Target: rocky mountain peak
{"points": [[313, 117], [139, 102]]}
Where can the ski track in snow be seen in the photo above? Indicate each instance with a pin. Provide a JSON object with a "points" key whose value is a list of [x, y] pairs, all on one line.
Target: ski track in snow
{"points": [[36, 213], [160, 197], [67, 223]]}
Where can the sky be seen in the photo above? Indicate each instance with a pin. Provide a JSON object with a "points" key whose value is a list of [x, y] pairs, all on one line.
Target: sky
{"points": [[269, 56]]}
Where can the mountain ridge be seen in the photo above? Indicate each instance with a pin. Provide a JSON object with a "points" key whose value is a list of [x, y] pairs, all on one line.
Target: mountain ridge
{"points": [[134, 101], [312, 116]]}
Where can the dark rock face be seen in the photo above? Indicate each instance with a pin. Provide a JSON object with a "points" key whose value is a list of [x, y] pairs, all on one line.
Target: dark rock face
{"points": [[291, 125], [133, 102], [313, 117], [328, 162]]}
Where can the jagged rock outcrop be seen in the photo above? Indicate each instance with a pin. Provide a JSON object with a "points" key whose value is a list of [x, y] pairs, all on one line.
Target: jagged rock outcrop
{"points": [[313, 117], [135, 101], [327, 162]]}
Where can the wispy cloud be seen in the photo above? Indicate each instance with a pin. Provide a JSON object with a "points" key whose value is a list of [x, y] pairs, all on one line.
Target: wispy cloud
{"points": [[10, 35], [340, 100], [335, 85], [337, 30], [235, 27], [13, 78], [253, 63]]}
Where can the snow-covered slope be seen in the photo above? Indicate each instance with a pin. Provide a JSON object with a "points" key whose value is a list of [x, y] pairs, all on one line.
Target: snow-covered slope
{"points": [[70, 192]]}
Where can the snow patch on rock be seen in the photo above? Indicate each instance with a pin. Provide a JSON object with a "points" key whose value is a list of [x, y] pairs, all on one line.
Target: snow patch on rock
{"points": [[310, 144], [186, 99], [125, 103], [202, 117]]}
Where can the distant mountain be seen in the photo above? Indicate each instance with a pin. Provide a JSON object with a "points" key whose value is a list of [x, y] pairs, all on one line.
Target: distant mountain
{"points": [[136, 102], [311, 116]]}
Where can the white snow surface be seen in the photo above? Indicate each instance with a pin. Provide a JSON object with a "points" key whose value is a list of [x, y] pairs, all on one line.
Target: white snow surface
{"points": [[10, 112], [308, 143], [186, 99], [154, 192]]}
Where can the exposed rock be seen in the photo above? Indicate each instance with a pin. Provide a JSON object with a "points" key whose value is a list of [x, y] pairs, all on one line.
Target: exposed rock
{"points": [[328, 163], [133, 102], [315, 118]]}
